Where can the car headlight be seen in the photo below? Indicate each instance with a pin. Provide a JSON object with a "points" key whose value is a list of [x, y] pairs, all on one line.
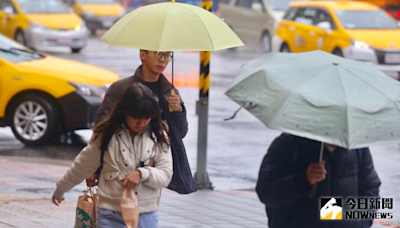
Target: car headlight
{"points": [[360, 44], [37, 26], [89, 90], [88, 14], [80, 26]]}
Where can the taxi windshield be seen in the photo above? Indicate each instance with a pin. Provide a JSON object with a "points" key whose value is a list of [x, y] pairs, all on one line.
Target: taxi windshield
{"points": [[14, 52], [42, 6], [372, 19], [98, 1], [280, 5]]}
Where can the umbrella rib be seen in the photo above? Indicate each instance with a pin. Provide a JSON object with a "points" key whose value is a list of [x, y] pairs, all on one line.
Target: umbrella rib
{"points": [[126, 26], [347, 109], [392, 100], [203, 25], [162, 32]]}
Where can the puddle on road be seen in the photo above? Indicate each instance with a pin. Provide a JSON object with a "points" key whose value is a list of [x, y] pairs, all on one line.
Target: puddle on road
{"points": [[64, 148]]}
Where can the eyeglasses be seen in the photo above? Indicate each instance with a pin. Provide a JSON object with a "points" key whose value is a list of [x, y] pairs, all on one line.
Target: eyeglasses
{"points": [[167, 56]]}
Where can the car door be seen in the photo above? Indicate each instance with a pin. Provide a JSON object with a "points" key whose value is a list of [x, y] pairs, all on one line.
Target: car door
{"points": [[3, 18], [287, 29], [300, 27], [248, 21], [241, 11], [8, 21], [326, 40], [260, 22], [307, 29], [228, 13]]}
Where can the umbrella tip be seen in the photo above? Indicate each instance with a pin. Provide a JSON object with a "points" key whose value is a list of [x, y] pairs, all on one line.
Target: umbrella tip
{"points": [[335, 63]]}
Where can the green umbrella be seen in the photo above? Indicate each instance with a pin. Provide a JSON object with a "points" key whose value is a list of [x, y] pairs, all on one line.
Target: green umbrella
{"points": [[322, 97]]}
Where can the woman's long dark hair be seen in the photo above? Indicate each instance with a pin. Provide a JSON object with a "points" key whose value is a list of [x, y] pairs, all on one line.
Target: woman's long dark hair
{"points": [[137, 102]]}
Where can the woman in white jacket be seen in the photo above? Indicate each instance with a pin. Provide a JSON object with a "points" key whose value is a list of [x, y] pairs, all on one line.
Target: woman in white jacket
{"points": [[134, 149]]}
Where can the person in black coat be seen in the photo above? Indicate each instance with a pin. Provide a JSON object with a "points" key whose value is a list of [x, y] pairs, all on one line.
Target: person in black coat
{"points": [[291, 168], [173, 112]]}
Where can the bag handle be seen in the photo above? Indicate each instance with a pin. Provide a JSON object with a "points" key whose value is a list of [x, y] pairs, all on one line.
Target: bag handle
{"points": [[88, 190]]}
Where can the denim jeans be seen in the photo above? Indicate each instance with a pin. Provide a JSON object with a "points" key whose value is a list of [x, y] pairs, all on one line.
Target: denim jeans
{"points": [[113, 219]]}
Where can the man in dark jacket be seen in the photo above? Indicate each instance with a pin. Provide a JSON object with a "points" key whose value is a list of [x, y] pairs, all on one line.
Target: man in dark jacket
{"points": [[289, 171], [174, 112]]}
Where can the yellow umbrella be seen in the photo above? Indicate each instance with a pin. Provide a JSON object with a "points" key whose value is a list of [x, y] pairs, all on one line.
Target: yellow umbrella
{"points": [[171, 26]]}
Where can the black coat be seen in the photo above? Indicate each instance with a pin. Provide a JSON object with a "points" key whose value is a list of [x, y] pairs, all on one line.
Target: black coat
{"points": [[182, 179], [284, 189]]}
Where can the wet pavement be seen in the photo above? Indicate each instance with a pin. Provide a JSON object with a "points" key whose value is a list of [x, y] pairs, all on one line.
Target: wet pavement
{"points": [[26, 188], [236, 147]]}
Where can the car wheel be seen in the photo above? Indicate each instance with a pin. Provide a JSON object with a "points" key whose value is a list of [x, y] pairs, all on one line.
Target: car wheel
{"points": [[20, 37], [285, 48], [266, 43], [34, 120], [338, 52], [76, 50]]}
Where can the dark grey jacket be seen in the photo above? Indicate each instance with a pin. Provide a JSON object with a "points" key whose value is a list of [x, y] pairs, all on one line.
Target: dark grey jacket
{"points": [[284, 189], [182, 180]]}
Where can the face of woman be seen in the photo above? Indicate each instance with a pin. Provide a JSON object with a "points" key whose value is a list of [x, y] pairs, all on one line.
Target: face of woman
{"points": [[136, 125]]}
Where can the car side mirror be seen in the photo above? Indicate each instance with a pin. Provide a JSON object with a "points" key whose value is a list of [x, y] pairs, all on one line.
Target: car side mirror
{"points": [[257, 7], [9, 11], [326, 26]]}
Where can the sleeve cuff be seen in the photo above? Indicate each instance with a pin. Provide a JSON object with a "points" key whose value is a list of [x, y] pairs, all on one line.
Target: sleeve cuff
{"points": [[58, 194], [145, 174], [183, 110]]}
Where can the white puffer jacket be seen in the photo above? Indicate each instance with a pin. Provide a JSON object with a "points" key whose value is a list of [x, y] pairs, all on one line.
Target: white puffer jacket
{"points": [[123, 157]]}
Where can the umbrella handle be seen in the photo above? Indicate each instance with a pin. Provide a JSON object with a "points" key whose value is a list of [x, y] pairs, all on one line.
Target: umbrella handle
{"points": [[314, 189], [247, 105], [234, 114], [172, 92], [173, 1]]}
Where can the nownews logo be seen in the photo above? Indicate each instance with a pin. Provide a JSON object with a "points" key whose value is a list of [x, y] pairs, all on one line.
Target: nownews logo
{"points": [[364, 204], [360, 208], [331, 208]]}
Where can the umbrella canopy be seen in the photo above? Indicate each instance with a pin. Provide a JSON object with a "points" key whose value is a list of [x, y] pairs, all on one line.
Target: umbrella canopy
{"points": [[172, 26], [321, 96]]}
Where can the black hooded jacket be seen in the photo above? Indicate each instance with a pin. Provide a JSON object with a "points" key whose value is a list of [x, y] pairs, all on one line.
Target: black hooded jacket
{"points": [[284, 189]]}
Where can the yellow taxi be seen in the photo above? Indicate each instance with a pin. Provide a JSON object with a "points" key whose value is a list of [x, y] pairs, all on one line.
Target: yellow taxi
{"points": [[98, 14], [41, 96], [42, 23], [354, 30]]}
